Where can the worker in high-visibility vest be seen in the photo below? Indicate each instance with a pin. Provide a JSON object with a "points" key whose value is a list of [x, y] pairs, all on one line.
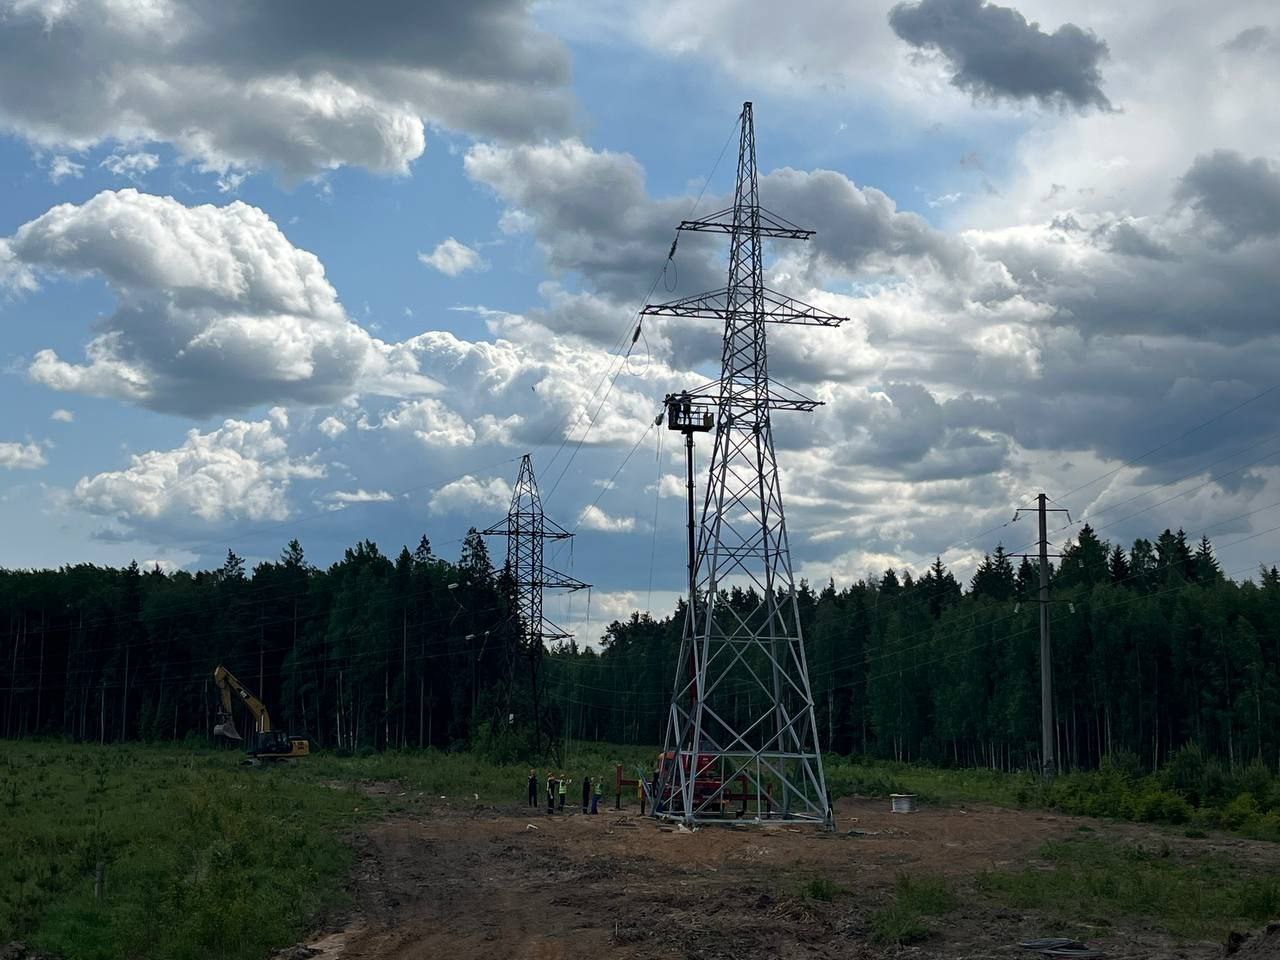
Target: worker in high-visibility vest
{"points": [[563, 789], [596, 794]]}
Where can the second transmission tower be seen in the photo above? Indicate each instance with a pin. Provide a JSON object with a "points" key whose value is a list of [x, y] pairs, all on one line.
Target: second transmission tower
{"points": [[527, 530]]}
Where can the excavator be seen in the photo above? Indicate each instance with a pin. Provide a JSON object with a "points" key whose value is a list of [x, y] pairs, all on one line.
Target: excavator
{"points": [[265, 745]]}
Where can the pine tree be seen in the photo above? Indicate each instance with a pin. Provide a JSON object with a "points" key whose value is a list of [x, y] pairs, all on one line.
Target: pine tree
{"points": [[293, 557], [422, 553], [1118, 566], [1206, 565], [232, 567]]}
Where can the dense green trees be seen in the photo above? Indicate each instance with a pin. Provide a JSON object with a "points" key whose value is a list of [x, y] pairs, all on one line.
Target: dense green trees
{"points": [[1154, 648]]}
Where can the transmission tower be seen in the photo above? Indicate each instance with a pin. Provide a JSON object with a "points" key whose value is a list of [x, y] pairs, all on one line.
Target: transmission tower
{"points": [[741, 732], [527, 530]]}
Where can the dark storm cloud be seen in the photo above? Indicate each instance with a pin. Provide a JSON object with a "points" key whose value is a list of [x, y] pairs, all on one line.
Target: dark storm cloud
{"points": [[1251, 40], [1129, 240], [591, 216], [294, 86], [856, 225], [995, 53], [1238, 198]]}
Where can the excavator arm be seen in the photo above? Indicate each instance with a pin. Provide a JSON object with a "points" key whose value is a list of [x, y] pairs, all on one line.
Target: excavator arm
{"points": [[227, 683]]}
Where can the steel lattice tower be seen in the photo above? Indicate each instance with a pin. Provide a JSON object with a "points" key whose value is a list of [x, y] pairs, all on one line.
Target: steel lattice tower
{"points": [[527, 530], [741, 725]]}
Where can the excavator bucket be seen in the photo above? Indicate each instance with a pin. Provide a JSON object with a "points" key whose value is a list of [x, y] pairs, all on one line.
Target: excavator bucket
{"points": [[227, 728]]}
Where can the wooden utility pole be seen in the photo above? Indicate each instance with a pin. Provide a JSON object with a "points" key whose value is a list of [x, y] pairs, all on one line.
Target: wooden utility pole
{"points": [[1048, 762]]}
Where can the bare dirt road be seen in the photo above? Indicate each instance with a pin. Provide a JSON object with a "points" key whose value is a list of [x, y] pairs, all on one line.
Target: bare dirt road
{"points": [[487, 883]]}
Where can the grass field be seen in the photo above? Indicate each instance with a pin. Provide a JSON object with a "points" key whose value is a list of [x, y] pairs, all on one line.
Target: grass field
{"points": [[200, 857], [1098, 882]]}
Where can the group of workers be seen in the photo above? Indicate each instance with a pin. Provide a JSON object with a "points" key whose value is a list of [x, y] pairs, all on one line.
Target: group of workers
{"points": [[558, 789]]}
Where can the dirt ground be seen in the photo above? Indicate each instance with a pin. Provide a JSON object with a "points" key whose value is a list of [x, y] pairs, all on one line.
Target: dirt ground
{"points": [[463, 882]]}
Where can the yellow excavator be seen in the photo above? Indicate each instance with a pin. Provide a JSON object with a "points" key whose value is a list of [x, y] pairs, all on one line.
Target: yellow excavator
{"points": [[265, 745]]}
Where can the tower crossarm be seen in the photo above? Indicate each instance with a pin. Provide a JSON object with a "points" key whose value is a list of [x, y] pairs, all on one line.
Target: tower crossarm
{"points": [[771, 225], [715, 305], [554, 580]]}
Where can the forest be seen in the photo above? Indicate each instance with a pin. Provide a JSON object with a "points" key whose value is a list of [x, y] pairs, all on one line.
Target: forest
{"points": [[1154, 648]]}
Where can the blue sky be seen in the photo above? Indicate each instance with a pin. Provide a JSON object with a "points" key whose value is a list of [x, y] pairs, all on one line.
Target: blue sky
{"points": [[1041, 247]]}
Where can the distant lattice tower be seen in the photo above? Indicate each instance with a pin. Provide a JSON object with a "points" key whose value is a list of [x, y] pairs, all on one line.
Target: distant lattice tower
{"points": [[527, 530], [741, 736]]}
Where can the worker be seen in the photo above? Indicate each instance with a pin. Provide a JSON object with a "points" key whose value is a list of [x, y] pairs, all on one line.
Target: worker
{"points": [[551, 792], [533, 787], [562, 790], [586, 793], [596, 794]]}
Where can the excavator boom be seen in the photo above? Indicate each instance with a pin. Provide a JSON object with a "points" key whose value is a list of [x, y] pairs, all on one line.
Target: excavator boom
{"points": [[265, 743]]}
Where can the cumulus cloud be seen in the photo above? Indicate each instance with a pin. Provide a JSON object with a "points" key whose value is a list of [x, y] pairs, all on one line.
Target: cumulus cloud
{"points": [[62, 416], [995, 53], [240, 470], [332, 427], [216, 309], [591, 216], [21, 456], [452, 258], [467, 494], [297, 86], [133, 166], [1238, 199], [61, 167], [593, 518]]}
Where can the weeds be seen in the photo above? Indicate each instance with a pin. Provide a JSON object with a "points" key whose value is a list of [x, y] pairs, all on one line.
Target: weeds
{"points": [[820, 888], [1092, 878], [914, 899]]}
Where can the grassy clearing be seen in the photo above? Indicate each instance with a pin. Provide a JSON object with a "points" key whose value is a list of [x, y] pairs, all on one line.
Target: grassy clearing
{"points": [[466, 775], [1193, 791], [1098, 882], [904, 919], [202, 858], [855, 776]]}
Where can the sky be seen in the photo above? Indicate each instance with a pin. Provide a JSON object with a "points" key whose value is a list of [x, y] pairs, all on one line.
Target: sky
{"points": [[297, 270]]}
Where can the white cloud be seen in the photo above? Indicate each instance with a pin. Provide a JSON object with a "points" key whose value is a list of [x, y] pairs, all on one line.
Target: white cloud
{"points": [[216, 309], [452, 258], [467, 494], [61, 167], [593, 518], [21, 456], [241, 470], [161, 564], [331, 427], [341, 499], [285, 85], [133, 166], [62, 416]]}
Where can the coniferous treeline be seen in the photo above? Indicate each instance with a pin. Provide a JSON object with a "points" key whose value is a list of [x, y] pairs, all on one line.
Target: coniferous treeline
{"points": [[1153, 648]]}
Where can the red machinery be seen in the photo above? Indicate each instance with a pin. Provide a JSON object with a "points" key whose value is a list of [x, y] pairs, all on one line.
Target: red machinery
{"points": [[707, 784]]}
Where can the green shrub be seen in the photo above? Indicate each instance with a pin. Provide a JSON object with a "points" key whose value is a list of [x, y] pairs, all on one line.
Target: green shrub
{"points": [[819, 888], [1256, 779], [1239, 811], [931, 896], [1184, 773], [897, 924], [1160, 806]]}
